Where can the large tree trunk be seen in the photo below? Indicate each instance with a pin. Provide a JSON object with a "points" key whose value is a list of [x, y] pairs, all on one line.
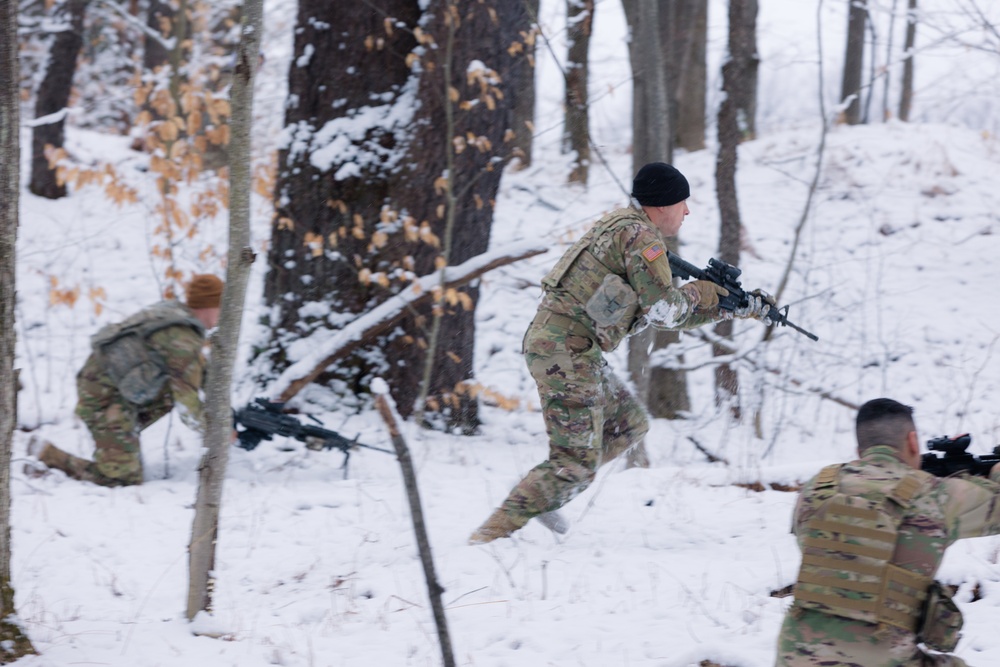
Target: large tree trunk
{"points": [[906, 93], [854, 58], [738, 86], [52, 98], [523, 121], [218, 410], [687, 23], [576, 134], [664, 391], [172, 50], [13, 642], [362, 193]]}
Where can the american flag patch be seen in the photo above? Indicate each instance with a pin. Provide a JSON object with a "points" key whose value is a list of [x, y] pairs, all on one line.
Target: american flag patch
{"points": [[652, 251]]}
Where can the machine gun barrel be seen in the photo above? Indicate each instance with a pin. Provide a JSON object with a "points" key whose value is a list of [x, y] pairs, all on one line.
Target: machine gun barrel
{"points": [[264, 419]]}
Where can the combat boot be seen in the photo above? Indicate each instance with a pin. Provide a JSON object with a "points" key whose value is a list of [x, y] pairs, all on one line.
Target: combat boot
{"points": [[636, 457], [554, 521], [37, 468], [500, 524]]}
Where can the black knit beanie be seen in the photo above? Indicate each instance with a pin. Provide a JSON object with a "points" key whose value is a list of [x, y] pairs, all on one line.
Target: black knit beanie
{"points": [[660, 184]]}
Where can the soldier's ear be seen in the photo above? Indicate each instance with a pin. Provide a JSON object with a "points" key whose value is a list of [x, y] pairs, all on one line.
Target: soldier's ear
{"points": [[913, 449]]}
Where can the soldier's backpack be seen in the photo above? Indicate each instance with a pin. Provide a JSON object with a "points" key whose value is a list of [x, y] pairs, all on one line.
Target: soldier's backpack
{"points": [[138, 371]]}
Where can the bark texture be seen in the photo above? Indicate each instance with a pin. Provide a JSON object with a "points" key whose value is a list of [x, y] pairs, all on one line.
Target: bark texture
{"points": [[739, 87], [906, 92], [687, 23], [663, 391], [52, 98], [523, 122], [13, 642], [576, 135], [854, 58], [364, 191], [218, 411]]}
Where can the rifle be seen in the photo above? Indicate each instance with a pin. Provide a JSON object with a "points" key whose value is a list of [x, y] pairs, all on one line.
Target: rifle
{"points": [[263, 419], [726, 275], [955, 458]]}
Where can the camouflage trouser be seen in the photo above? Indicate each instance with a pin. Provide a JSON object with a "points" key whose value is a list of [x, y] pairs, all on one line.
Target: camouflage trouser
{"points": [[115, 425], [590, 418], [812, 639]]}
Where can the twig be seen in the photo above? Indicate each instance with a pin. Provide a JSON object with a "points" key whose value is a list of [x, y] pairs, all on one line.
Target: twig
{"points": [[388, 412], [807, 209], [712, 458]]}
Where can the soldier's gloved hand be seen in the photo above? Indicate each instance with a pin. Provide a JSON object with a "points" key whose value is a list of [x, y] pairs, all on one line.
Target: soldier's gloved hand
{"points": [[759, 303], [704, 294]]}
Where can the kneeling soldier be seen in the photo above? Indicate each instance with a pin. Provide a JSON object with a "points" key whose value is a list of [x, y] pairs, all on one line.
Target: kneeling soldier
{"points": [[873, 533], [137, 371]]}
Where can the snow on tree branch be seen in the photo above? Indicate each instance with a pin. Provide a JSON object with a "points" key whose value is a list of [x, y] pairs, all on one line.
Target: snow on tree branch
{"points": [[380, 319]]}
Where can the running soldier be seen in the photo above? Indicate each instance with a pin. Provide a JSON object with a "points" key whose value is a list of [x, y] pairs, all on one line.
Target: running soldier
{"points": [[612, 283]]}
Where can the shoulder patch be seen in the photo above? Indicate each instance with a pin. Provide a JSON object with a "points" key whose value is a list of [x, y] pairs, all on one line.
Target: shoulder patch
{"points": [[652, 251]]}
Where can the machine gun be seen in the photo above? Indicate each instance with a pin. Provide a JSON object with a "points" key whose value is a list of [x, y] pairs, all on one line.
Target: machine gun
{"points": [[727, 275], [263, 419], [955, 458]]}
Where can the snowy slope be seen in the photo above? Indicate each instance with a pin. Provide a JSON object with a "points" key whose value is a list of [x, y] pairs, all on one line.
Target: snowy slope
{"points": [[663, 567]]}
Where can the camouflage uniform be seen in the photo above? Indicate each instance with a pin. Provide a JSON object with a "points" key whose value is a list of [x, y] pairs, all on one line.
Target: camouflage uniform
{"points": [[590, 416], [116, 422], [929, 514]]}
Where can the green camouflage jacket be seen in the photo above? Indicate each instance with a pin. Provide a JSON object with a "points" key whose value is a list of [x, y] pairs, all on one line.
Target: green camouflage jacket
{"points": [[940, 511], [625, 243], [181, 348]]}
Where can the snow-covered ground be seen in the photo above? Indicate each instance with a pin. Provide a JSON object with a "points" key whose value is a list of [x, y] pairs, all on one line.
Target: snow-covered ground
{"points": [[664, 567]]}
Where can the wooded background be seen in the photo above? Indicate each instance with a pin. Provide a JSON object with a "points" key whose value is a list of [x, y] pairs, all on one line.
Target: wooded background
{"points": [[401, 118]]}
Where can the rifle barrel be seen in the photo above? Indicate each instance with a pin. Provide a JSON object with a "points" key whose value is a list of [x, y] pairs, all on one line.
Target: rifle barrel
{"points": [[802, 331]]}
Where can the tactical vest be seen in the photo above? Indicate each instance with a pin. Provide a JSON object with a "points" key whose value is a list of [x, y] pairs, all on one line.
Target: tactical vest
{"points": [[847, 550], [611, 304], [138, 371]]}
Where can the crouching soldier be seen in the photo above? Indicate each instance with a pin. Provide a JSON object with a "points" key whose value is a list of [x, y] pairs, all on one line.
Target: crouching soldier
{"points": [[138, 370], [873, 533]]}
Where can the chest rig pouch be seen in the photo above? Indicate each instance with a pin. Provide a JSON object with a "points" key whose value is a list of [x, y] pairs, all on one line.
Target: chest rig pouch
{"points": [[847, 551], [607, 298]]}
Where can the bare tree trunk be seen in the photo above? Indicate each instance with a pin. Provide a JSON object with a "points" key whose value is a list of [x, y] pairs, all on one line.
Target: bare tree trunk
{"points": [[523, 121], [744, 50], [576, 134], [688, 27], [664, 391], [738, 85], [160, 19], [906, 94], [218, 411], [854, 58], [13, 642], [52, 98]]}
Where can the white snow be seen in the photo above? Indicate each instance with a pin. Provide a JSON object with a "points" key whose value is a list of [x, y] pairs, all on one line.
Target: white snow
{"points": [[662, 567]]}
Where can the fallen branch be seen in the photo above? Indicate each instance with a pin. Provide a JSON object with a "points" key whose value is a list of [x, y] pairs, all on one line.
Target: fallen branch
{"points": [[382, 318], [387, 410]]}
